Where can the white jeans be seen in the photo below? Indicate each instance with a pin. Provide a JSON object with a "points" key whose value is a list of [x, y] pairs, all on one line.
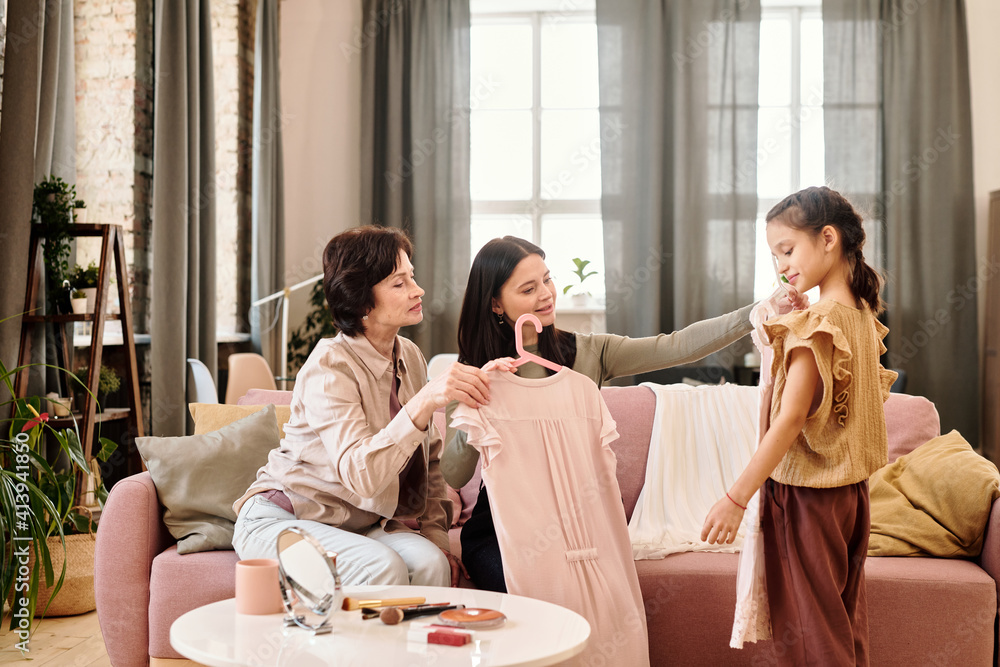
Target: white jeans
{"points": [[375, 558]]}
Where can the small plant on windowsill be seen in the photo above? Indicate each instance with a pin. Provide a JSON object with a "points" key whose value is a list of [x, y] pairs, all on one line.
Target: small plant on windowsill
{"points": [[580, 295]]}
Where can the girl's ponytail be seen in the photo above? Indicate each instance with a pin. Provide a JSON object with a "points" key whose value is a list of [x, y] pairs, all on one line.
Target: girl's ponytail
{"points": [[866, 283]]}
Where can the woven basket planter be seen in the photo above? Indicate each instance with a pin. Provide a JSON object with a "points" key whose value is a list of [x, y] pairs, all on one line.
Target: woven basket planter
{"points": [[77, 593]]}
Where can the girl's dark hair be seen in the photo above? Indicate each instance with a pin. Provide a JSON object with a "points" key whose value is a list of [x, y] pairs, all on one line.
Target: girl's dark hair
{"points": [[816, 207], [481, 337], [353, 263]]}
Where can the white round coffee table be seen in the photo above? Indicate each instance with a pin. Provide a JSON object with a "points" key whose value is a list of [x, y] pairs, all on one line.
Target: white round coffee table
{"points": [[536, 633]]}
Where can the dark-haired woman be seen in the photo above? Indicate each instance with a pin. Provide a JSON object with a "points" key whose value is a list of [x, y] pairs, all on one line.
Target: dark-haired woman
{"points": [[509, 278], [360, 455]]}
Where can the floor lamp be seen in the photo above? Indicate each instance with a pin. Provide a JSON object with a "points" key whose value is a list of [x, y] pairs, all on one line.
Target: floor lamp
{"points": [[284, 294]]}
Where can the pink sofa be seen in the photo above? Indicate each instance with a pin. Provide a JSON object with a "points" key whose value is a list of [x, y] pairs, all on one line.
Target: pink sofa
{"points": [[921, 610]]}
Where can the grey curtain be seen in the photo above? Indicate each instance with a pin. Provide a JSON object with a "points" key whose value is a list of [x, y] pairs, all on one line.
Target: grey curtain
{"points": [[22, 58], [678, 95], [183, 290], [900, 72], [268, 251], [40, 124], [415, 146]]}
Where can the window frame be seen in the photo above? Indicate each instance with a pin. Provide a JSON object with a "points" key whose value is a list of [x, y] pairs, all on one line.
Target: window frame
{"points": [[536, 207]]}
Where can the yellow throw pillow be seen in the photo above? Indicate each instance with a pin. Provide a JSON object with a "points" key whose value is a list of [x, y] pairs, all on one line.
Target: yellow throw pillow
{"points": [[210, 417]]}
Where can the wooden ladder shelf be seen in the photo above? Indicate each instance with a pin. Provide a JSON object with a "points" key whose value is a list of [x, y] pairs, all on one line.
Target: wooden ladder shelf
{"points": [[112, 254]]}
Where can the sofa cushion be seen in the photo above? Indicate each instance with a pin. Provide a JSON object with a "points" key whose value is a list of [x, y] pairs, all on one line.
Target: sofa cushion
{"points": [[912, 604], [210, 417], [178, 584], [186, 471], [633, 409], [910, 421], [265, 397]]}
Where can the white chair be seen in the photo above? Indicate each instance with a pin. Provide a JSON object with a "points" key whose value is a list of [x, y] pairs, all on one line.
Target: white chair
{"points": [[439, 363], [200, 378], [248, 370]]}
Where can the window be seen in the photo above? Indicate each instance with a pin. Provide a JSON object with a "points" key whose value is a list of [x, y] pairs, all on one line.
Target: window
{"points": [[536, 154], [790, 143]]}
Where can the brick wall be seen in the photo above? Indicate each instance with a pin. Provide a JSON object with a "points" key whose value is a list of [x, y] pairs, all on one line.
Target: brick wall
{"points": [[114, 128], [233, 34]]}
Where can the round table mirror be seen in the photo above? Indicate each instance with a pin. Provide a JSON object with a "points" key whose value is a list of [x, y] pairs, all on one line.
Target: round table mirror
{"points": [[310, 586]]}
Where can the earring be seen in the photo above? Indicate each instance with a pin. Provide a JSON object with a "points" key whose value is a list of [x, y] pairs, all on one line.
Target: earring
{"points": [[364, 317], [500, 318]]}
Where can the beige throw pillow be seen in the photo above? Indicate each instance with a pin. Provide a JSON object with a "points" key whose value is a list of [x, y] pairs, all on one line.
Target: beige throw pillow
{"points": [[199, 477], [213, 416]]}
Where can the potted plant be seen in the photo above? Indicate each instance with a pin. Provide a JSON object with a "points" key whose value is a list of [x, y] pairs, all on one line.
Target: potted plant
{"points": [[108, 382], [79, 211], [78, 302], [581, 295], [317, 325], [52, 207], [38, 515], [85, 280]]}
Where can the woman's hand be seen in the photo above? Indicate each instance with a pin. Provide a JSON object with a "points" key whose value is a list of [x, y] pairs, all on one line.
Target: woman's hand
{"points": [[722, 522], [462, 383], [457, 567]]}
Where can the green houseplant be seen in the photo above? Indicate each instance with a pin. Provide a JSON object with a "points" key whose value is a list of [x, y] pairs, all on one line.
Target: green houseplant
{"points": [[53, 207], [318, 324], [37, 505], [84, 277], [582, 274], [108, 382]]}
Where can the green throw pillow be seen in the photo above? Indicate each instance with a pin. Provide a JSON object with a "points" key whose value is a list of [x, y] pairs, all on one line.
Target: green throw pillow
{"points": [[199, 477]]}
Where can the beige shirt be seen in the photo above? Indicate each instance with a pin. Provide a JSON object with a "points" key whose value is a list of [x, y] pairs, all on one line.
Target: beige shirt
{"points": [[603, 357], [844, 440], [343, 462]]}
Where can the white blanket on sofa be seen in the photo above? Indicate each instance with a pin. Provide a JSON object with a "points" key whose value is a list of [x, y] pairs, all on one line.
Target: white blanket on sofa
{"points": [[703, 438]]}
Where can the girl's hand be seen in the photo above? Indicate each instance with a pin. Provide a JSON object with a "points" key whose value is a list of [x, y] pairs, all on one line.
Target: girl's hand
{"points": [[792, 299], [722, 522], [503, 364]]}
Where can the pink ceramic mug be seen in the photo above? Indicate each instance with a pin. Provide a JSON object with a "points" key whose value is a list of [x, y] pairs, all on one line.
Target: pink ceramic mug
{"points": [[257, 589]]}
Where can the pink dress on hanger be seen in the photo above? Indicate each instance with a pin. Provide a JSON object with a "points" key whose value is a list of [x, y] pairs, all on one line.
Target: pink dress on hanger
{"points": [[557, 507]]}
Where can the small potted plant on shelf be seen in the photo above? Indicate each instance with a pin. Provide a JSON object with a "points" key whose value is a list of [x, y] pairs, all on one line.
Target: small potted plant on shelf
{"points": [[85, 279], [581, 295], [78, 301], [52, 207], [45, 566], [107, 383], [79, 211]]}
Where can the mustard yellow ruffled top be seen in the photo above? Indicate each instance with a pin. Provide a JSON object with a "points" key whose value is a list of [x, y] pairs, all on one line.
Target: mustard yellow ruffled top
{"points": [[844, 439]]}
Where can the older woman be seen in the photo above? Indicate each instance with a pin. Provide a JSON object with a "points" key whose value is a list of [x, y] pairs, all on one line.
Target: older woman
{"points": [[360, 455]]}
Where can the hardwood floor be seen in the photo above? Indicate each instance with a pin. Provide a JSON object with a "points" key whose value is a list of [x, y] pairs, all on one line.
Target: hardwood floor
{"points": [[72, 640]]}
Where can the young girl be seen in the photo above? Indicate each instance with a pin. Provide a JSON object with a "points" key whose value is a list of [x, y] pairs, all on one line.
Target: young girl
{"points": [[826, 436]]}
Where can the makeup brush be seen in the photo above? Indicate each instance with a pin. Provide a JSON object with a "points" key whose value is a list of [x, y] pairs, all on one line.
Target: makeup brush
{"points": [[350, 604], [393, 615]]}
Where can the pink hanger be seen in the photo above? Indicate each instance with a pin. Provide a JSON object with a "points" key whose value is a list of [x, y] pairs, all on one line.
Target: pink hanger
{"points": [[526, 356]]}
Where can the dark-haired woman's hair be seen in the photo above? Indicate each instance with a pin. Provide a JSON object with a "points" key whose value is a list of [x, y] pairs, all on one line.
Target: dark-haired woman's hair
{"points": [[814, 208], [481, 336], [353, 263]]}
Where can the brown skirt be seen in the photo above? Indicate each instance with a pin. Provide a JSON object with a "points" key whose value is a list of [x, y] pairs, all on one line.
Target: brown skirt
{"points": [[815, 545]]}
